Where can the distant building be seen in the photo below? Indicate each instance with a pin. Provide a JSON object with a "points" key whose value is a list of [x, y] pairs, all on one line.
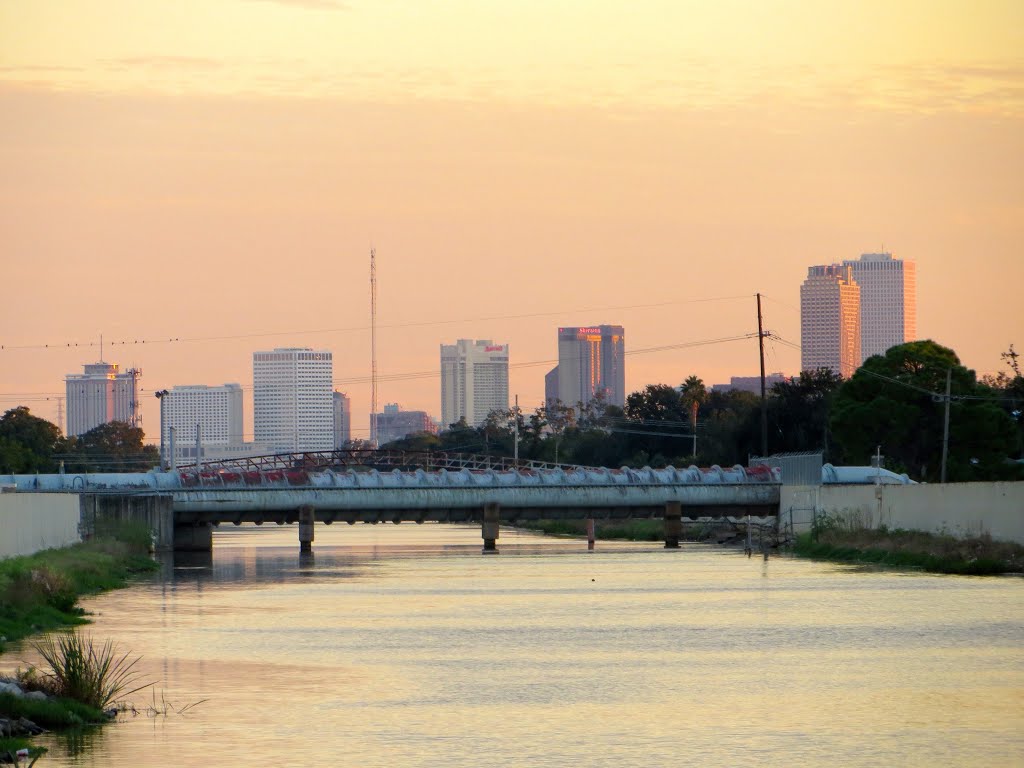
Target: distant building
{"points": [[394, 424], [551, 387], [591, 360], [100, 395], [830, 320], [217, 411], [474, 380], [751, 383], [888, 301], [342, 419], [293, 408]]}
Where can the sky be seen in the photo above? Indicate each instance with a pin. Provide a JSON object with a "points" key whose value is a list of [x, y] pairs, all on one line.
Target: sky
{"points": [[199, 179]]}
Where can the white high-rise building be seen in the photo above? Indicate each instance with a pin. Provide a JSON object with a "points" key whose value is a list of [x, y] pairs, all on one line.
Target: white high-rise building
{"points": [[216, 410], [888, 301], [830, 320], [474, 381], [292, 392], [100, 395]]}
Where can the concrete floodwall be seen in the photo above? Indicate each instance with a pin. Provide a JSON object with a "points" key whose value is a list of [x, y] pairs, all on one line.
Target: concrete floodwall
{"points": [[30, 522], [959, 509]]}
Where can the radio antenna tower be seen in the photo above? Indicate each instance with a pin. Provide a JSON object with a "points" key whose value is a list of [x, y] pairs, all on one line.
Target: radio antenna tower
{"points": [[373, 347]]}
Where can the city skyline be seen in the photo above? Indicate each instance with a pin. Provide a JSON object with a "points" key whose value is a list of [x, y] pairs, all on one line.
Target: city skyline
{"points": [[218, 180]]}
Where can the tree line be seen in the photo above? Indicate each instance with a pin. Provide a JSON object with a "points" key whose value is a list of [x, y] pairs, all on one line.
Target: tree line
{"points": [[894, 404]]}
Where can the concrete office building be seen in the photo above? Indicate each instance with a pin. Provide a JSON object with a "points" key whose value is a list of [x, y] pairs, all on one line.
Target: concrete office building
{"points": [[342, 419], [293, 407], [888, 301], [394, 424], [830, 320], [751, 383], [591, 360], [474, 380], [216, 410], [103, 393]]}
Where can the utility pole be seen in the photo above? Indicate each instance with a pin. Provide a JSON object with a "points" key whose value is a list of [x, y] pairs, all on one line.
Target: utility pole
{"points": [[764, 402], [373, 347], [515, 419], [945, 427]]}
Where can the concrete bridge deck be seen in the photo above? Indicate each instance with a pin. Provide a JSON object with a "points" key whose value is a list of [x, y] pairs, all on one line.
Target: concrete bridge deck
{"points": [[200, 498]]}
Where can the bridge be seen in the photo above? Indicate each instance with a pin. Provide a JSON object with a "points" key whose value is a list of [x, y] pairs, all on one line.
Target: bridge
{"points": [[183, 505]]}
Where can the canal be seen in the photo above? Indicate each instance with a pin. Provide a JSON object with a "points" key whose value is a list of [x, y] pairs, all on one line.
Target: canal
{"points": [[402, 646]]}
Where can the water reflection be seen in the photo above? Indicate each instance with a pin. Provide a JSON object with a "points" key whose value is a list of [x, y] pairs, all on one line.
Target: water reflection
{"points": [[405, 647]]}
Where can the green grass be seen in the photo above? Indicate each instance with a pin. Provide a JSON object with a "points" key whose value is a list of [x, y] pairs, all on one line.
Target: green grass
{"points": [[627, 530], [10, 746], [54, 714], [40, 592], [934, 553]]}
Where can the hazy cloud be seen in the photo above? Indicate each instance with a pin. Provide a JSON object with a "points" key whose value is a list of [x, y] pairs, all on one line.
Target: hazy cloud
{"points": [[164, 62], [314, 5]]}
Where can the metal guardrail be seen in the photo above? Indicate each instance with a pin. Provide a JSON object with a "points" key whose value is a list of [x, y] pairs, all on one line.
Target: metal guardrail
{"points": [[366, 458]]}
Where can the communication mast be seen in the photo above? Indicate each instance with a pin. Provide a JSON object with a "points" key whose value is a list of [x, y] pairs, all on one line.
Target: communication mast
{"points": [[373, 347]]}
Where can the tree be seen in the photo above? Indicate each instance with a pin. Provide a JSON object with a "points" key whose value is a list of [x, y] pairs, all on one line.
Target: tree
{"points": [[27, 442], [657, 420], [895, 401], [112, 447], [1008, 391], [798, 411]]}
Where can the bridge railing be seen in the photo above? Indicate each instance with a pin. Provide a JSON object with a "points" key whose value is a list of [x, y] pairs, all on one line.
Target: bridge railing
{"points": [[367, 458]]}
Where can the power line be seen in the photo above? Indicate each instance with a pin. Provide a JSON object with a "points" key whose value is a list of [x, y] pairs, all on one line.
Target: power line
{"points": [[348, 329]]}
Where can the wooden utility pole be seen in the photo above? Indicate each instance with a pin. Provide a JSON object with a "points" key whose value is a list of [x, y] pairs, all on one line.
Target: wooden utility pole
{"points": [[764, 402]]}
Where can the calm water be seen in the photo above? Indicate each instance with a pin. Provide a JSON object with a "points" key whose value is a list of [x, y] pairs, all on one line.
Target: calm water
{"points": [[402, 646]]}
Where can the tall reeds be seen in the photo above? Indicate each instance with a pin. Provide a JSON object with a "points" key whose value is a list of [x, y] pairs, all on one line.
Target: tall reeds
{"points": [[83, 670]]}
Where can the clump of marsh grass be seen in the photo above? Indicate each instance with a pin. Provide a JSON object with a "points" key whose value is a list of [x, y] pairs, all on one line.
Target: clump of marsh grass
{"points": [[86, 671]]}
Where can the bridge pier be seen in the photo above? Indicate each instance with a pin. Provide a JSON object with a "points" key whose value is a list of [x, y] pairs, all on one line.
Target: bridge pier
{"points": [[673, 524], [191, 537], [307, 516], [492, 518]]}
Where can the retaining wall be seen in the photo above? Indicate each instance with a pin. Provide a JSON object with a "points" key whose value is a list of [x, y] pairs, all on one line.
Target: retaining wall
{"points": [[30, 522], [960, 509]]}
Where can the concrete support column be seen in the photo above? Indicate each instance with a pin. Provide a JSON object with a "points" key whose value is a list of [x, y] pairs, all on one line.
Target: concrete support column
{"points": [[492, 517], [306, 519], [673, 524]]}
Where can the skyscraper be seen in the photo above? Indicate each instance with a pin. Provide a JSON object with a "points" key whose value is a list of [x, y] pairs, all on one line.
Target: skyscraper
{"points": [[888, 301], [342, 419], [102, 394], [474, 380], [830, 320], [591, 360], [216, 410], [293, 408]]}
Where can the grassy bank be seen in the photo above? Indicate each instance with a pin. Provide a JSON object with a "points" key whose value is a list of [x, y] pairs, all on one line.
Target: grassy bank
{"points": [[623, 530], [934, 553], [40, 592]]}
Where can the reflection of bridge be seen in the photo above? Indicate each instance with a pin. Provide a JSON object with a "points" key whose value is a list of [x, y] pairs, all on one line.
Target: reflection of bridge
{"points": [[306, 488]]}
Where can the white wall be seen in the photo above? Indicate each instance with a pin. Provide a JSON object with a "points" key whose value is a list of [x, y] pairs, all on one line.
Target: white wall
{"points": [[960, 509], [30, 522]]}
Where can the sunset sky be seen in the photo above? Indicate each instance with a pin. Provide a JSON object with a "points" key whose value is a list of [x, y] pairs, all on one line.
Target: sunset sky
{"points": [[216, 171]]}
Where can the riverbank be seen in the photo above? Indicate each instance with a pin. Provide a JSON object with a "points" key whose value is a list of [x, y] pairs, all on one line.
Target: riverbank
{"points": [[639, 530], [933, 553], [40, 592]]}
